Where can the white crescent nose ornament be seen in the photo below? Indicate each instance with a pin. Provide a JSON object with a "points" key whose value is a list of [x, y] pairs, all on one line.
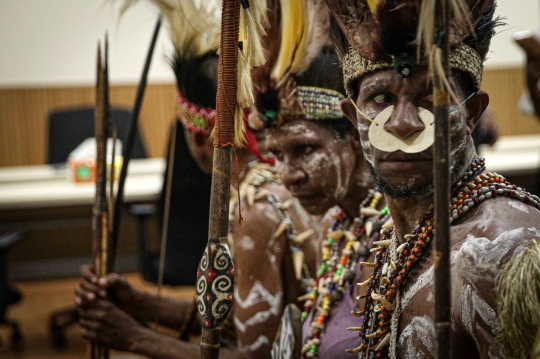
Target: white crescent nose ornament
{"points": [[386, 141]]}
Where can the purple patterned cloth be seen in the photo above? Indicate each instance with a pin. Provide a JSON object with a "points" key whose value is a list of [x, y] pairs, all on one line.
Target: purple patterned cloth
{"points": [[336, 337]]}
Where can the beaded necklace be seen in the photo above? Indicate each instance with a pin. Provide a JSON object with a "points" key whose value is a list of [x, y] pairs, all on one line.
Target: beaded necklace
{"points": [[253, 178], [393, 263], [334, 270]]}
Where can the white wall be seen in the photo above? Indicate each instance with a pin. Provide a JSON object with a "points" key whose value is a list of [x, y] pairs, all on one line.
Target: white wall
{"points": [[520, 15], [53, 42]]}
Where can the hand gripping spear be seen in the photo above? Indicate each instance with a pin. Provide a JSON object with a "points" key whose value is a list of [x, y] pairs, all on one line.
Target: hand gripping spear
{"points": [[215, 276], [441, 168]]}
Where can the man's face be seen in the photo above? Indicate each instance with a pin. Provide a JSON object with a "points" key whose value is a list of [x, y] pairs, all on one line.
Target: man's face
{"points": [[201, 150], [314, 162], [399, 173]]}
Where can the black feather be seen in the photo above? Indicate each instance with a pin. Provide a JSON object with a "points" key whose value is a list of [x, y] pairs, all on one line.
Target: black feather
{"points": [[484, 31], [196, 78]]}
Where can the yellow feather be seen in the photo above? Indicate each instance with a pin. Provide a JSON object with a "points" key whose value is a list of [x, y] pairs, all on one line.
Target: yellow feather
{"points": [[373, 5], [293, 38]]}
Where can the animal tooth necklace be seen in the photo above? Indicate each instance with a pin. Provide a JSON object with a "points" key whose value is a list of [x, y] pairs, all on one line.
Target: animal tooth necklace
{"points": [[394, 262], [335, 270]]}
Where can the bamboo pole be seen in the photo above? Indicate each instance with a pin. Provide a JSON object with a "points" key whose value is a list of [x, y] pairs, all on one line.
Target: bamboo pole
{"points": [[441, 165], [215, 277]]}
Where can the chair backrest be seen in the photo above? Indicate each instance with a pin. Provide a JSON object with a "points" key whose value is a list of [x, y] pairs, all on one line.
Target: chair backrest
{"points": [[68, 128]]}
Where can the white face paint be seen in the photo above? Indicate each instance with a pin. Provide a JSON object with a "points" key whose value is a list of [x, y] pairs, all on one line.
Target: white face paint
{"points": [[388, 142]]}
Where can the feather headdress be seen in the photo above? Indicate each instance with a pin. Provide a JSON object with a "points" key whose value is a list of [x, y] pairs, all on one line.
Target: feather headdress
{"points": [[297, 33], [194, 29], [384, 33]]}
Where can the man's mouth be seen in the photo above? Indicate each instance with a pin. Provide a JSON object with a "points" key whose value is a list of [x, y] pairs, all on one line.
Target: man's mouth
{"points": [[400, 156]]}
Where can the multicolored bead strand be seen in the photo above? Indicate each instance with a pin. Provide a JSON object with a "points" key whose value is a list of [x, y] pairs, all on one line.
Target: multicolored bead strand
{"points": [[336, 270]]}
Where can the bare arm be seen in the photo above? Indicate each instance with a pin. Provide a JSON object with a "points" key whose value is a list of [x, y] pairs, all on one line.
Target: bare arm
{"points": [[533, 78], [168, 311], [488, 247], [105, 323], [259, 292]]}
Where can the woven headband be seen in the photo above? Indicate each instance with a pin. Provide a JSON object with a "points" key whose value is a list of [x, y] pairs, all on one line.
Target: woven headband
{"points": [[462, 58], [317, 103], [320, 103], [194, 118]]}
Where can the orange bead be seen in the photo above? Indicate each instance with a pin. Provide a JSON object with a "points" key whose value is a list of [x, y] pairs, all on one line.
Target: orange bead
{"points": [[424, 235], [382, 315], [466, 196], [492, 180], [419, 242], [412, 257], [479, 185], [399, 278], [383, 307], [454, 206], [393, 286], [485, 182], [379, 355], [415, 250], [389, 292], [403, 271], [409, 264], [381, 324], [381, 332], [460, 201]]}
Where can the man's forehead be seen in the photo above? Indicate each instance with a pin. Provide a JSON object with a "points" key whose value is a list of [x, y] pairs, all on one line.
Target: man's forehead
{"points": [[388, 78]]}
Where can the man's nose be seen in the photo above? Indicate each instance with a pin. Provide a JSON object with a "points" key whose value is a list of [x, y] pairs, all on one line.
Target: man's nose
{"points": [[291, 174], [404, 121]]}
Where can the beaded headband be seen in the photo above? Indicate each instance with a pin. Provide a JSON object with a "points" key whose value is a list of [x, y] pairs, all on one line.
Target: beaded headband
{"points": [[462, 58], [320, 103], [314, 103], [194, 118]]}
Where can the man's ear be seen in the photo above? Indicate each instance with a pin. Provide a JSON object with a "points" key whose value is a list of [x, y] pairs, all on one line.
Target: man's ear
{"points": [[200, 139], [476, 107], [350, 111]]}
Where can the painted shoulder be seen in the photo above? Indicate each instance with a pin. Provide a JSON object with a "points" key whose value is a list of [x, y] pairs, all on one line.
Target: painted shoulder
{"points": [[495, 232]]}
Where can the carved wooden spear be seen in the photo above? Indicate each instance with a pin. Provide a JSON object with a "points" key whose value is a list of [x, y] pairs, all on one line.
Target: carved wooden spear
{"points": [[441, 168], [100, 218], [215, 276]]}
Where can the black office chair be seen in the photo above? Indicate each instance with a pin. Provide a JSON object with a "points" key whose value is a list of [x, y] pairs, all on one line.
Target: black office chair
{"points": [[67, 129], [188, 220], [8, 294]]}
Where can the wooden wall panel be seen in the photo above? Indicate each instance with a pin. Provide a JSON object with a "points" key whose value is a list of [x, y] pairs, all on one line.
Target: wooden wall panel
{"points": [[505, 87], [23, 113]]}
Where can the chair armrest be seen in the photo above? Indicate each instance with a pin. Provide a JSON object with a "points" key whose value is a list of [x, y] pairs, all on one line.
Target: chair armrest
{"points": [[142, 210], [9, 239]]}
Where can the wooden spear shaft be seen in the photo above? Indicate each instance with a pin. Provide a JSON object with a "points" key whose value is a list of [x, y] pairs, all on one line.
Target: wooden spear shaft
{"points": [[100, 218], [441, 166], [215, 277]]}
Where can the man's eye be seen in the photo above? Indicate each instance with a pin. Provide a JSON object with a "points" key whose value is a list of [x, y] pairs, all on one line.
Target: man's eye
{"points": [[428, 98], [382, 99], [278, 155], [304, 150]]}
